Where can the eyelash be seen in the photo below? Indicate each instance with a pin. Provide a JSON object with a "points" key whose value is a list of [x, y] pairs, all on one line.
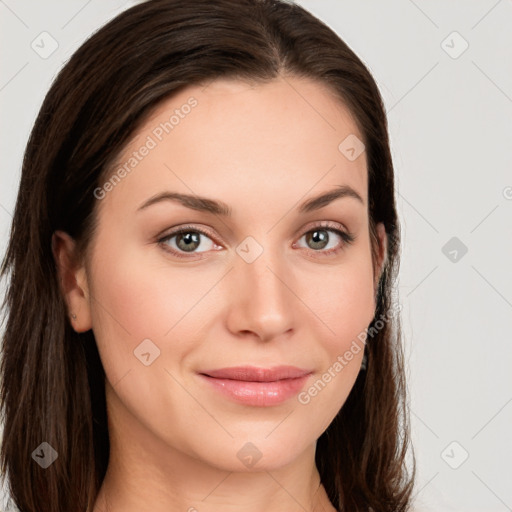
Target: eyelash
{"points": [[347, 237]]}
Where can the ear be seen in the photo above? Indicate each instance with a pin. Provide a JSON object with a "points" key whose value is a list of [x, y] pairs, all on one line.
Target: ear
{"points": [[382, 253], [73, 281]]}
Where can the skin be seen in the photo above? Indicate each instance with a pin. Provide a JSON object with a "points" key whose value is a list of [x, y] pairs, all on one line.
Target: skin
{"points": [[261, 149]]}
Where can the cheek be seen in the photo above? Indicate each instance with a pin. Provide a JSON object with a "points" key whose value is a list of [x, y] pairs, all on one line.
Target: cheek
{"points": [[344, 303], [143, 301], [137, 297], [344, 308]]}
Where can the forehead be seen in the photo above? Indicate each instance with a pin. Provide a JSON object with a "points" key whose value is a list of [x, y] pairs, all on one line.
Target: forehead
{"points": [[244, 141]]}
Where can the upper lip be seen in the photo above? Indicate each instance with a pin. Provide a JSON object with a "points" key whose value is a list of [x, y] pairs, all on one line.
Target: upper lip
{"points": [[255, 374]]}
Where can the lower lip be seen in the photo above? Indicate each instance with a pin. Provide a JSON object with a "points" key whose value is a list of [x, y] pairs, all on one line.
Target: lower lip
{"points": [[262, 394]]}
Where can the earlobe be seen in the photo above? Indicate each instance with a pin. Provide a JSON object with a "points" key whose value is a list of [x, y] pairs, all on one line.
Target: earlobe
{"points": [[73, 281]]}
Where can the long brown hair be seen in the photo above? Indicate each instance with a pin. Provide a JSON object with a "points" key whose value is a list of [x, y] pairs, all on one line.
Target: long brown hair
{"points": [[52, 380]]}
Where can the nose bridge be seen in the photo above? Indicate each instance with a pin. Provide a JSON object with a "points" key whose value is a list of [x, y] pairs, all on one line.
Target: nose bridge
{"points": [[262, 272], [262, 296]]}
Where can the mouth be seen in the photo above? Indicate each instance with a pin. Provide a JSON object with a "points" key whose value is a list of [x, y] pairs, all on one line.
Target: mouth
{"points": [[257, 386]]}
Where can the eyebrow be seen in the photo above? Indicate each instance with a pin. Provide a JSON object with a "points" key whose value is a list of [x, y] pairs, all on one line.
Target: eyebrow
{"points": [[205, 204]]}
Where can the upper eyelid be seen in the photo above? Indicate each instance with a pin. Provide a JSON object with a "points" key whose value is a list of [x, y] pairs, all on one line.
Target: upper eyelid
{"points": [[186, 228], [328, 225]]}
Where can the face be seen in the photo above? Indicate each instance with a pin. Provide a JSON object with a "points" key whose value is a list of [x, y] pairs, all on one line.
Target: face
{"points": [[256, 279]]}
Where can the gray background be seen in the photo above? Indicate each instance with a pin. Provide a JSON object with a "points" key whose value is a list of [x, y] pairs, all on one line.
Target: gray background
{"points": [[450, 119]]}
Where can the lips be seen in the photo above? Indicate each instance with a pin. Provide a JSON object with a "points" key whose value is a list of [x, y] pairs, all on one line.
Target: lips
{"points": [[259, 387], [255, 374]]}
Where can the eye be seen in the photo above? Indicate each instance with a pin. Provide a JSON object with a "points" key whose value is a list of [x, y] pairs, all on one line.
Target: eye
{"points": [[318, 238], [188, 239]]}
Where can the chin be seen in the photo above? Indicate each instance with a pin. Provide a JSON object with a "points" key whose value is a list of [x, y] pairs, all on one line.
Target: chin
{"points": [[255, 454]]}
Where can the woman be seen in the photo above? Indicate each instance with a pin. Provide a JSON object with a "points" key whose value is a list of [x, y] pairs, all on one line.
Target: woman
{"points": [[201, 263]]}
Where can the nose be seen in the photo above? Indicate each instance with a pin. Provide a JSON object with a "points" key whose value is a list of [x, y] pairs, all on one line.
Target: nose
{"points": [[261, 299]]}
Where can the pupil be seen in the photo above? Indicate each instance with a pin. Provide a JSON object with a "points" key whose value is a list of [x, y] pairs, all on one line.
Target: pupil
{"points": [[319, 237], [189, 238]]}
